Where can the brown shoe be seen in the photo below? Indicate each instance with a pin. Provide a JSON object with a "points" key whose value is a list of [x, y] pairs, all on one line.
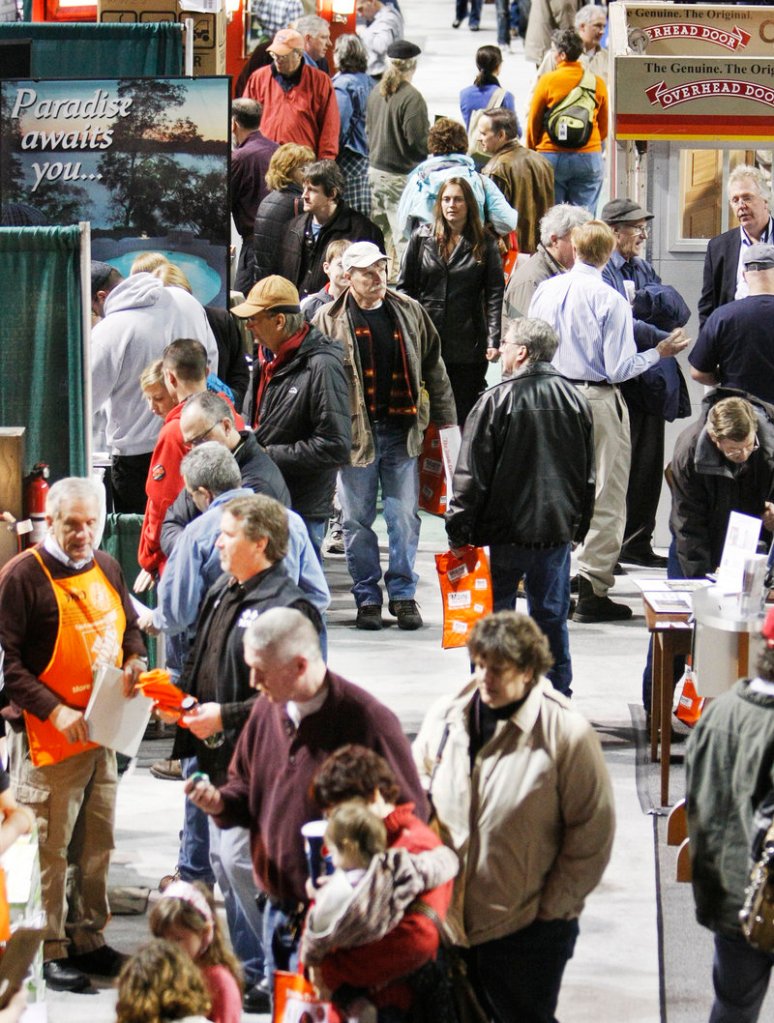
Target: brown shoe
{"points": [[167, 770]]}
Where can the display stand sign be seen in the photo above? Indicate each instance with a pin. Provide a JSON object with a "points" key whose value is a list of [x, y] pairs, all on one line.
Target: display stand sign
{"points": [[145, 161], [696, 29], [694, 99]]}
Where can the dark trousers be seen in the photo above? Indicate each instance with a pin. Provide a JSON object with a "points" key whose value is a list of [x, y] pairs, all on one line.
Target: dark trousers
{"points": [[128, 475], [645, 477], [546, 575], [461, 11], [521, 974], [740, 976], [468, 383]]}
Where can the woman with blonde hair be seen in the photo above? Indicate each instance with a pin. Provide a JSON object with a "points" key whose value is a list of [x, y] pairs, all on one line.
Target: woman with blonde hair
{"points": [[280, 206]]}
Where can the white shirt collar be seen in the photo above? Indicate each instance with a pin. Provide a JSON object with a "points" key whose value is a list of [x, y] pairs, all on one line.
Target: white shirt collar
{"points": [[51, 546], [297, 711]]}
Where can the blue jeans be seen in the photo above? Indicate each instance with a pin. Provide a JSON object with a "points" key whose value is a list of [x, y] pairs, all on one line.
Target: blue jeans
{"points": [[316, 530], [461, 11], [233, 867], [740, 976], [546, 575], [521, 974], [577, 178], [503, 22], [194, 859], [274, 920], [358, 488]]}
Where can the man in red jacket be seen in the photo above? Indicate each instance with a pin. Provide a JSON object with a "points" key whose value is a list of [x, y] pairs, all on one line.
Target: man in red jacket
{"points": [[299, 104]]}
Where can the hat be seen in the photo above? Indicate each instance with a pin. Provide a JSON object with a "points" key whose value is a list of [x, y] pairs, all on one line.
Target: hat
{"points": [[759, 257], [360, 255], [620, 211], [99, 275], [402, 49], [285, 41], [273, 292]]}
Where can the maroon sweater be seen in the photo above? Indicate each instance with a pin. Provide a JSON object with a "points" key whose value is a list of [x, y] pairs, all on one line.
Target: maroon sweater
{"points": [[29, 622], [273, 766]]}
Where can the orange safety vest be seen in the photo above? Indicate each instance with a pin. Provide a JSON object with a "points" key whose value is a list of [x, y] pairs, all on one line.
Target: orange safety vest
{"points": [[91, 630]]}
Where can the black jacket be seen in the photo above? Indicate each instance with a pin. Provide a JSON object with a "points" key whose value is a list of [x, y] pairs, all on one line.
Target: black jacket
{"points": [[463, 298], [706, 487], [259, 473], [301, 256], [525, 474], [271, 222], [271, 588], [304, 423], [232, 358]]}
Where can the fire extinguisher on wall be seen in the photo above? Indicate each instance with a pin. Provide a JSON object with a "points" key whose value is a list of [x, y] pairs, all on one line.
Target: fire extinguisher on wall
{"points": [[35, 494]]}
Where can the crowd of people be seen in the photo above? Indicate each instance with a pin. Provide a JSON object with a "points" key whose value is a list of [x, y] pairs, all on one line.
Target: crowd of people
{"points": [[374, 301]]}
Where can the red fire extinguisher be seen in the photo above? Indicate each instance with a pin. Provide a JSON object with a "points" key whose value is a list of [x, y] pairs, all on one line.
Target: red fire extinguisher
{"points": [[35, 493]]}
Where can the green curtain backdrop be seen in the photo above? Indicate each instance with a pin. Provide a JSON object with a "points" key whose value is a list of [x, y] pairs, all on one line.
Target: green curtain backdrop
{"points": [[102, 50], [41, 345]]}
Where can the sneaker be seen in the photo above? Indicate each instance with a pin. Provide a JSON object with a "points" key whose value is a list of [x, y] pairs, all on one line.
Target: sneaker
{"points": [[167, 770], [407, 613], [369, 617], [256, 999], [333, 545]]}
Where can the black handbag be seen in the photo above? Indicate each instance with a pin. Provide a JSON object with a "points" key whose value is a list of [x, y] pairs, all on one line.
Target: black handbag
{"points": [[454, 992]]}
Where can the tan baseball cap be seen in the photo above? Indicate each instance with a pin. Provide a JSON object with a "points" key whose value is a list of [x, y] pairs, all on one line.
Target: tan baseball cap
{"points": [[275, 292], [285, 41]]}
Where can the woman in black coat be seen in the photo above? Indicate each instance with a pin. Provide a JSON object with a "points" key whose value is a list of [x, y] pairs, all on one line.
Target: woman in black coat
{"points": [[280, 206], [453, 268]]}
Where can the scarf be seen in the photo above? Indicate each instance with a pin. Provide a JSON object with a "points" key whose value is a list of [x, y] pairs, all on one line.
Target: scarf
{"points": [[401, 401], [287, 350]]}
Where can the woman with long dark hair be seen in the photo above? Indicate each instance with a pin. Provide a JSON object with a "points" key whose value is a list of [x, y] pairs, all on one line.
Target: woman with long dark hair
{"points": [[453, 268], [486, 91]]}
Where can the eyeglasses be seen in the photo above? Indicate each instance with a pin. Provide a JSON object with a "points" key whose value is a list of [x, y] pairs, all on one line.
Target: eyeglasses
{"points": [[743, 451], [202, 437], [644, 231]]}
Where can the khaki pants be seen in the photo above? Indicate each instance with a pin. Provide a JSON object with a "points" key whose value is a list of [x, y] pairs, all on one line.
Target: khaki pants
{"points": [[386, 190], [74, 805], [599, 552]]}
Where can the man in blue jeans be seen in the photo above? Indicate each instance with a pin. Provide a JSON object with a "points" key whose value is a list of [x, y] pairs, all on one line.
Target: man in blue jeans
{"points": [[398, 383], [524, 484]]}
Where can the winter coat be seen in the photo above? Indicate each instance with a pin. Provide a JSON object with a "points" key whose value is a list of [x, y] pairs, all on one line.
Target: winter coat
{"points": [[427, 373], [271, 222], [301, 258], [464, 298], [304, 423]]}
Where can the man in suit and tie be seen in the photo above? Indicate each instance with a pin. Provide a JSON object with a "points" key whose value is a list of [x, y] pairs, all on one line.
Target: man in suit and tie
{"points": [[749, 193]]}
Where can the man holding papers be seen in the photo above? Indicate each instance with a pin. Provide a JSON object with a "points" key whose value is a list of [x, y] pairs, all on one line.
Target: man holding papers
{"points": [[64, 613]]}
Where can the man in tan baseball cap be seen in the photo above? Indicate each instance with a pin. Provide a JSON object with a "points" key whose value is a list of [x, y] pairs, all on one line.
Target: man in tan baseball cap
{"points": [[301, 408]]}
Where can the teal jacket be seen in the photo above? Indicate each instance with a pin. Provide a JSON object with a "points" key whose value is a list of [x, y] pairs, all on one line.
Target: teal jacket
{"points": [[729, 771]]}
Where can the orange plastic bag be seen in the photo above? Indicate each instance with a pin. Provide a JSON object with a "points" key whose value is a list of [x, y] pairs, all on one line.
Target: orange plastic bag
{"points": [[689, 705], [296, 1001], [157, 685], [432, 479], [466, 593], [5, 910], [511, 256]]}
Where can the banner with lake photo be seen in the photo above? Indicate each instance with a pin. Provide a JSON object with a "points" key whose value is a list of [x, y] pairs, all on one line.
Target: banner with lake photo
{"points": [[145, 161]]}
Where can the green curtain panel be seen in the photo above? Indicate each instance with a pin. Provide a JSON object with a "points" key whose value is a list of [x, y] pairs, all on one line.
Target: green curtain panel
{"points": [[152, 50], [121, 538], [41, 344]]}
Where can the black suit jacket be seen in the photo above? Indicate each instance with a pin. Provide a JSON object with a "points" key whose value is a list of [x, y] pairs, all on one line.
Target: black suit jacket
{"points": [[720, 266]]}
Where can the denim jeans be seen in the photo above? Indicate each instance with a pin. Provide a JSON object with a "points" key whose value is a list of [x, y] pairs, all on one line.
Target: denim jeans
{"points": [[740, 976], [358, 488], [194, 859], [461, 11], [521, 974], [577, 178], [274, 922], [233, 867], [316, 530], [503, 22], [546, 575]]}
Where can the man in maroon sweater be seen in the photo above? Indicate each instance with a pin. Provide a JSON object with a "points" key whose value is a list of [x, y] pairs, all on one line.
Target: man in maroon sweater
{"points": [[306, 713]]}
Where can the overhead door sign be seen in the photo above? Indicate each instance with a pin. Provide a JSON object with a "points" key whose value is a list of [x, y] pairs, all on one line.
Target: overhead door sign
{"points": [[660, 29], [699, 99]]}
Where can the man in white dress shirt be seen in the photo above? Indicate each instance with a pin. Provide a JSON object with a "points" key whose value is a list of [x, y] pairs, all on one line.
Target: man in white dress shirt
{"points": [[597, 352]]}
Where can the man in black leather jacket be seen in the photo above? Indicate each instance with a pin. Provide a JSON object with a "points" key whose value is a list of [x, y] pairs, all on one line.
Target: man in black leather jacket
{"points": [[302, 405], [524, 484]]}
